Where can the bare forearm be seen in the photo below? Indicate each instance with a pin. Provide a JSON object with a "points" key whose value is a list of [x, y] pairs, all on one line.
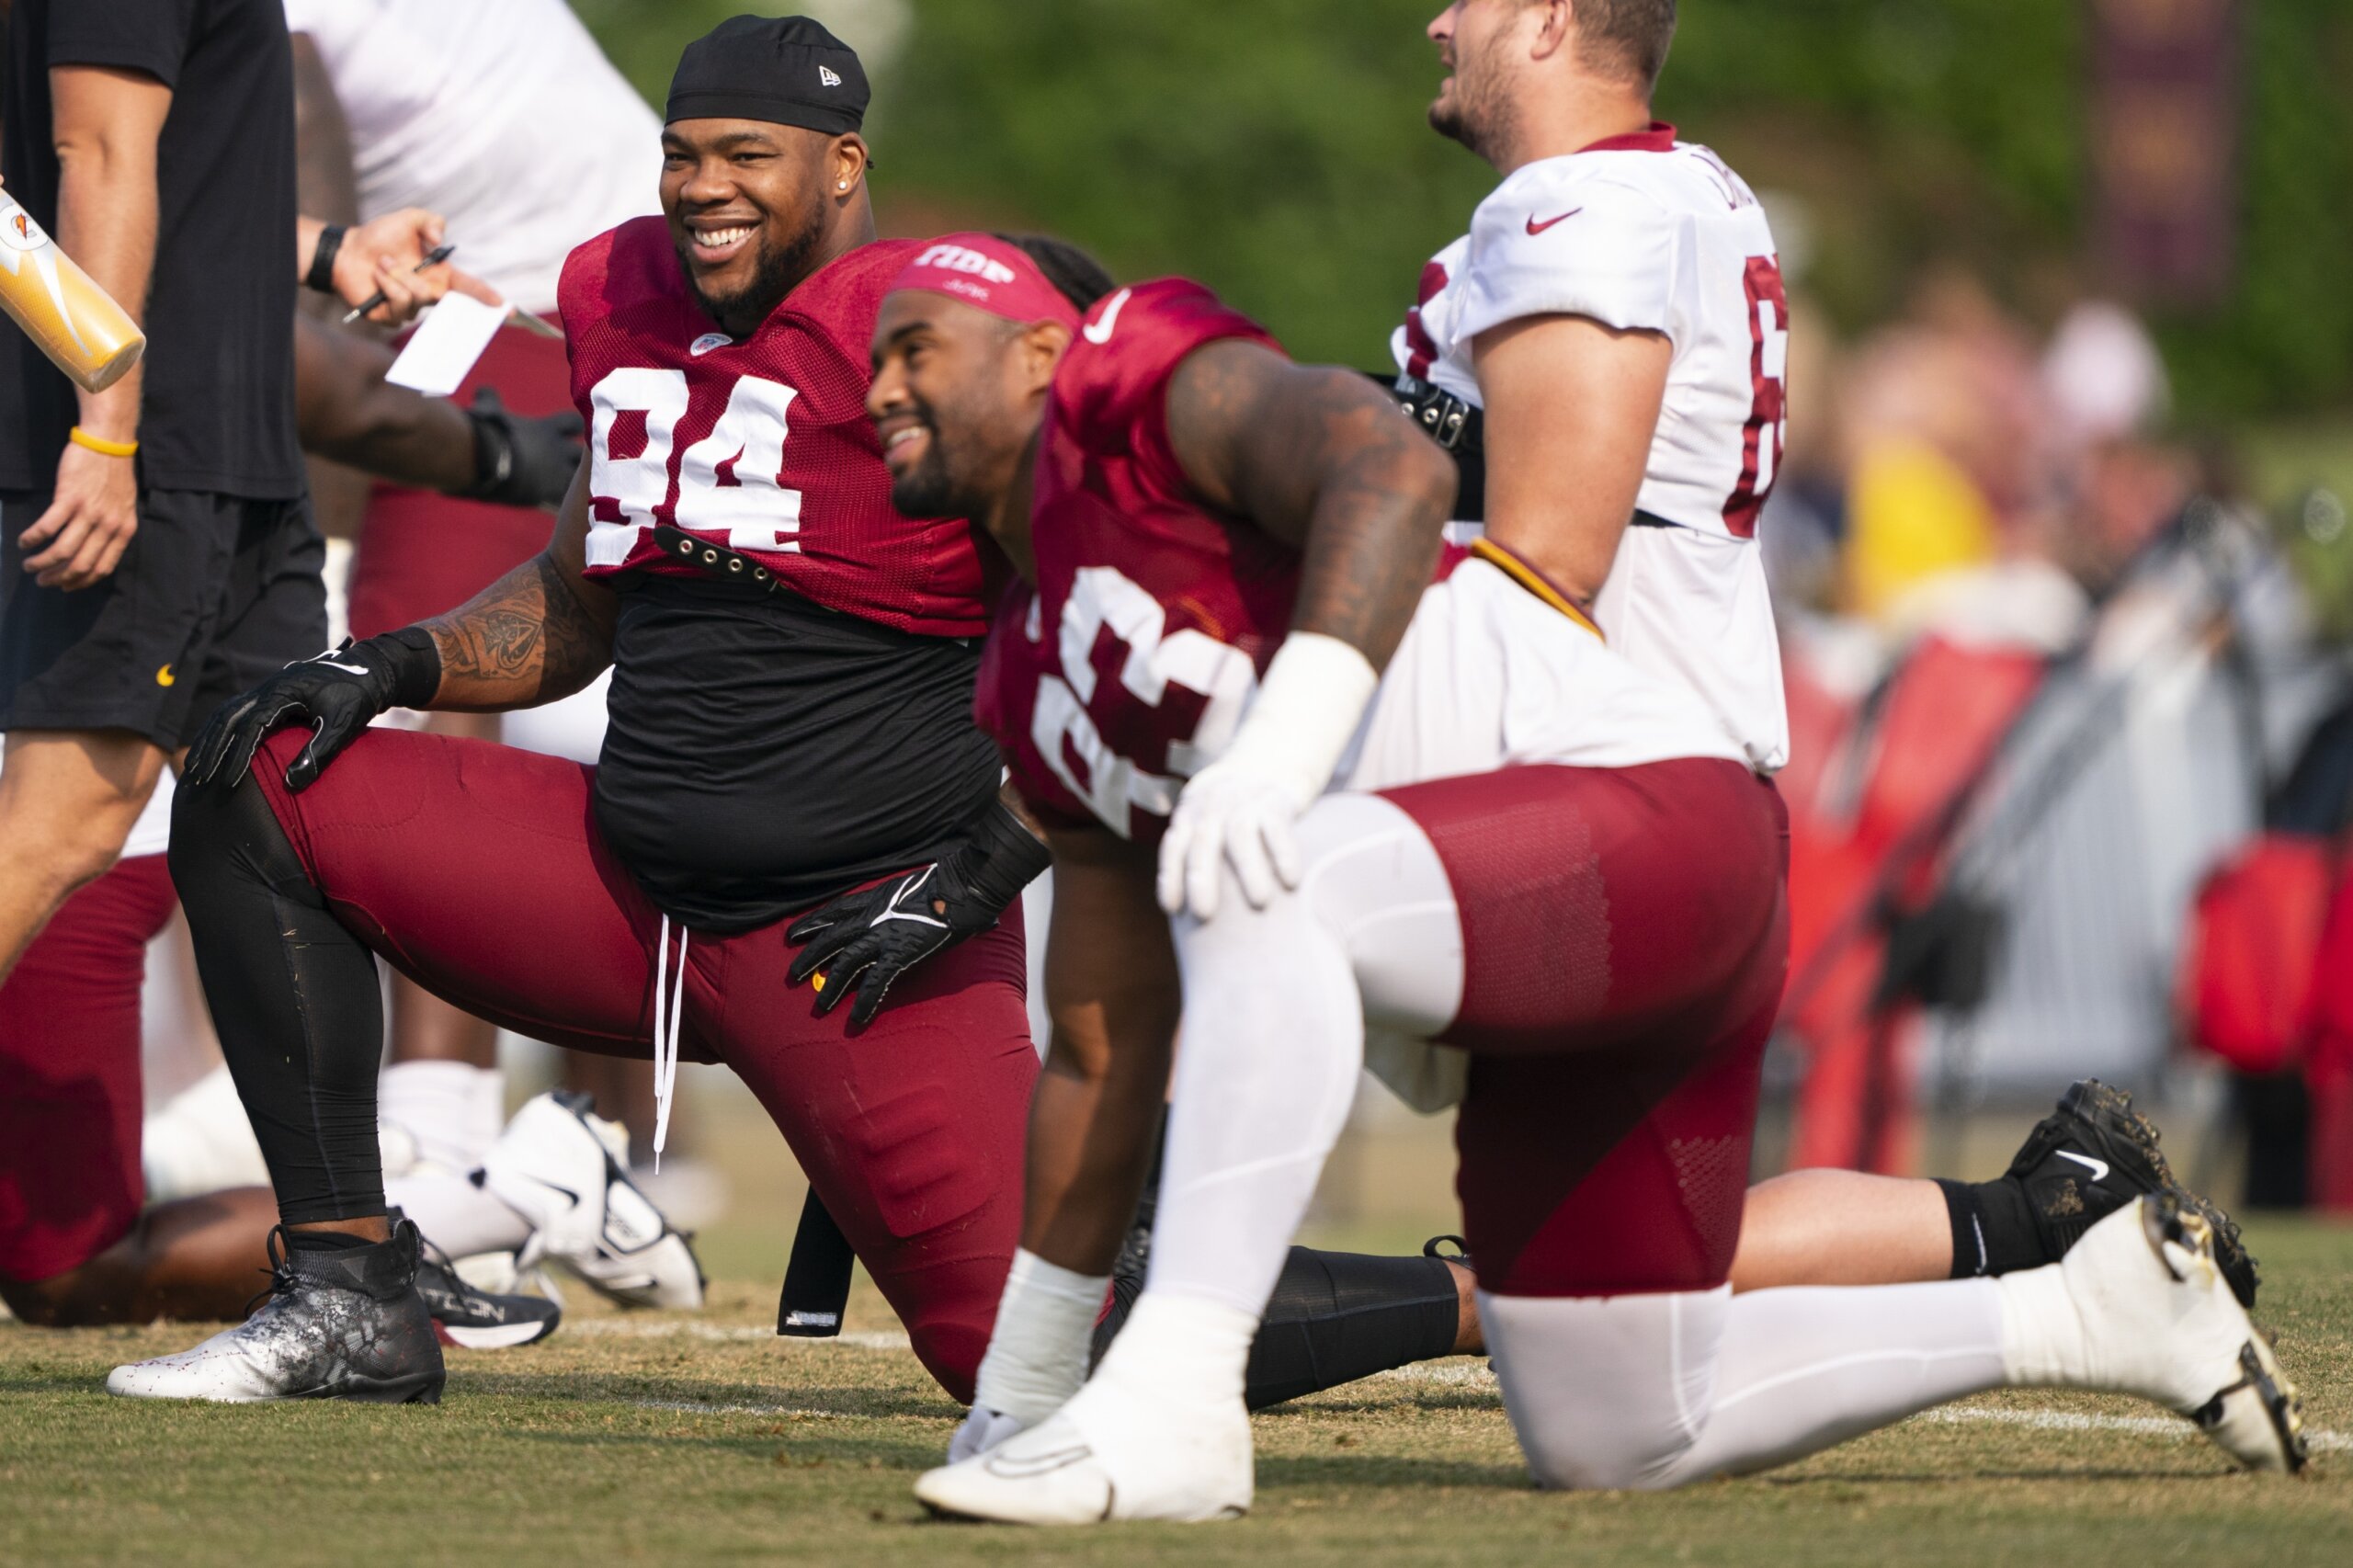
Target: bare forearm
{"points": [[1113, 993], [107, 215], [529, 637], [324, 183], [409, 440], [345, 410], [1321, 459]]}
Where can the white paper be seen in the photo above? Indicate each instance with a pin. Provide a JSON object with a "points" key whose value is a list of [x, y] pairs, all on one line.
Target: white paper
{"points": [[445, 345]]}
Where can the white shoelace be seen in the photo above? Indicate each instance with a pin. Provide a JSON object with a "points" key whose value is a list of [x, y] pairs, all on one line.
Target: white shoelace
{"points": [[668, 1006]]}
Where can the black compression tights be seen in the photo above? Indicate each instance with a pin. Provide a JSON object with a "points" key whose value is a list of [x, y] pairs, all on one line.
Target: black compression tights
{"points": [[294, 998]]}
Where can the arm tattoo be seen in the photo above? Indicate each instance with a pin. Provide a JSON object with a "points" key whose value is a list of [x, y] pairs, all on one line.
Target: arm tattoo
{"points": [[1321, 458], [528, 638]]}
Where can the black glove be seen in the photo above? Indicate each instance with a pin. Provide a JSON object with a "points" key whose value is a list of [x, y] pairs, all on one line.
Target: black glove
{"points": [[883, 932], [338, 691], [520, 462]]}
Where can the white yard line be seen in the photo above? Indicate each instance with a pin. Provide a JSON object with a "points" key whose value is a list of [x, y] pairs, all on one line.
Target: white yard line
{"points": [[688, 1408], [627, 1328], [2316, 1440]]}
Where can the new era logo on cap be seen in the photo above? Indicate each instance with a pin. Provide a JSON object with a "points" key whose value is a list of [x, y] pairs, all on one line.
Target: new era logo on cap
{"points": [[825, 75]]}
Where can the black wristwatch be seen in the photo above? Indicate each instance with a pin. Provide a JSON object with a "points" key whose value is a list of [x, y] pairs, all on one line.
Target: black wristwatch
{"points": [[322, 273]]}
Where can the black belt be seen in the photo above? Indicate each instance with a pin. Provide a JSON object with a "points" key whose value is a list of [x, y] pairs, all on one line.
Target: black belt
{"points": [[718, 564], [715, 561]]}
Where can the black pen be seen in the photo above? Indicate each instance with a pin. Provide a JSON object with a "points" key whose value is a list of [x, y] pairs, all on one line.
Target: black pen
{"points": [[433, 258]]}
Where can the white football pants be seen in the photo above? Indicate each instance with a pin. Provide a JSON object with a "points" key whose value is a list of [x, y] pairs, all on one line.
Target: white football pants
{"points": [[1280, 999], [1653, 1392]]}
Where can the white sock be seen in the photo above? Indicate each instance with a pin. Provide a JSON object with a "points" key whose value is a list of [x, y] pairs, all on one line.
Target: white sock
{"points": [[452, 1109], [2043, 1341], [1266, 1073], [1045, 1325], [455, 1215], [1180, 1350]]}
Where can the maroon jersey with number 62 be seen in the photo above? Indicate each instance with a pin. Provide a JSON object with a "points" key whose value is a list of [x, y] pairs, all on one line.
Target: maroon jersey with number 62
{"points": [[1129, 665], [763, 445]]}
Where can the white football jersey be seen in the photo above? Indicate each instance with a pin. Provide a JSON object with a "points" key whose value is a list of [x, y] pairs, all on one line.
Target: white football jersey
{"points": [[501, 115], [1645, 232]]}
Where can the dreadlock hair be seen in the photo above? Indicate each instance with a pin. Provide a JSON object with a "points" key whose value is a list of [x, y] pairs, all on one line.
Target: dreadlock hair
{"points": [[1078, 275]]}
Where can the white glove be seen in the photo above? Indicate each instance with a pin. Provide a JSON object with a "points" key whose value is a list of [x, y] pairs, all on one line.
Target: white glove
{"points": [[1240, 809], [1238, 812]]}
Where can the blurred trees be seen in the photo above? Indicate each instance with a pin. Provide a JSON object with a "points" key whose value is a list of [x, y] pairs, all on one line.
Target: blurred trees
{"points": [[1277, 148]]}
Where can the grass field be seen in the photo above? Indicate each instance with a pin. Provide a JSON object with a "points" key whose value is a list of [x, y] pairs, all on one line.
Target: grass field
{"points": [[661, 1438]]}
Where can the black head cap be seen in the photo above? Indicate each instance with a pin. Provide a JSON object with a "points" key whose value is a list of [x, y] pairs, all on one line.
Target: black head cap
{"points": [[781, 70]]}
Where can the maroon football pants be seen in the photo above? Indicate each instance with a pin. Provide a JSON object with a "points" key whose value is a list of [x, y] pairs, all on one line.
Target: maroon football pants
{"points": [[1625, 940], [70, 1093], [477, 871]]}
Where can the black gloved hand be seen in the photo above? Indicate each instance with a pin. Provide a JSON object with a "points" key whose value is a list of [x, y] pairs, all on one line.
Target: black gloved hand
{"points": [[338, 691], [521, 461], [873, 936]]}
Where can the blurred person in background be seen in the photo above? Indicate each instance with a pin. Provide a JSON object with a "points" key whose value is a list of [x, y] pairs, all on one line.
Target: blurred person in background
{"points": [[75, 1247], [158, 553], [509, 121]]}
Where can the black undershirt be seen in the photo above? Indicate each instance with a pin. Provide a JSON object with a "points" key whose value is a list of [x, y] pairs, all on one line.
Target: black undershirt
{"points": [[765, 753]]}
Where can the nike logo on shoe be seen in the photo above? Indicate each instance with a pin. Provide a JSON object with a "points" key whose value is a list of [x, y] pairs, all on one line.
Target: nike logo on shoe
{"points": [[1000, 1463], [1535, 228], [2097, 1168], [1098, 332], [539, 1181]]}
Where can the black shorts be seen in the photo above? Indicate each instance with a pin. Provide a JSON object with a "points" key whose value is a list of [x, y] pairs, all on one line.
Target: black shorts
{"points": [[214, 593]]}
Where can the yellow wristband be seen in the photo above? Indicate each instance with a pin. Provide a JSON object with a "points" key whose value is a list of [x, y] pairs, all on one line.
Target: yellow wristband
{"points": [[99, 444]]}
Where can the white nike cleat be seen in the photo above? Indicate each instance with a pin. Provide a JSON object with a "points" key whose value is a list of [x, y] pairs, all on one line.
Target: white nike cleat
{"points": [[2140, 1306], [565, 1170], [1136, 1443], [982, 1429], [1104, 1456]]}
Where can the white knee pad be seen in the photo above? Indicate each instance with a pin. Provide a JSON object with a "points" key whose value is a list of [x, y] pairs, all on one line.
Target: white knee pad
{"points": [[1606, 1392]]}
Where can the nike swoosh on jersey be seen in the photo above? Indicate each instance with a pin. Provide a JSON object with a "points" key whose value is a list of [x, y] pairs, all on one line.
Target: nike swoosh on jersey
{"points": [[2097, 1168], [1098, 332], [1535, 228]]}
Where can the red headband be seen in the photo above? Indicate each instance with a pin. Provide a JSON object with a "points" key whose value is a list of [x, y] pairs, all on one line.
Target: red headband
{"points": [[984, 272]]}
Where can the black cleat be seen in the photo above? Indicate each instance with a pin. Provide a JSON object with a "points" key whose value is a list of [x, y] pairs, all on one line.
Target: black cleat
{"points": [[2094, 1154], [339, 1324], [480, 1320]]}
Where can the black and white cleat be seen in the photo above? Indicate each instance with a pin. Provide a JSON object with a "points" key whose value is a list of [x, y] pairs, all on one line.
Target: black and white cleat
{"points": [[343, 1323], [480, 1320], [2094, 1154]]}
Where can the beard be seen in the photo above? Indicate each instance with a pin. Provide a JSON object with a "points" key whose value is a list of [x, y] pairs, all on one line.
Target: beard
{"points": [[1479, 112], [775, 270], [928, 490]]}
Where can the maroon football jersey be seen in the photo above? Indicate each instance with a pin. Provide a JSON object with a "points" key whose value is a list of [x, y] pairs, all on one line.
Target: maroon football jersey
{"points": [[1128, 667], [762, 445]]}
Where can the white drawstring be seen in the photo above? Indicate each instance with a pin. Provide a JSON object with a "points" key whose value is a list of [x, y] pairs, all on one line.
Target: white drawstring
{"points": [[666, 1033]]}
